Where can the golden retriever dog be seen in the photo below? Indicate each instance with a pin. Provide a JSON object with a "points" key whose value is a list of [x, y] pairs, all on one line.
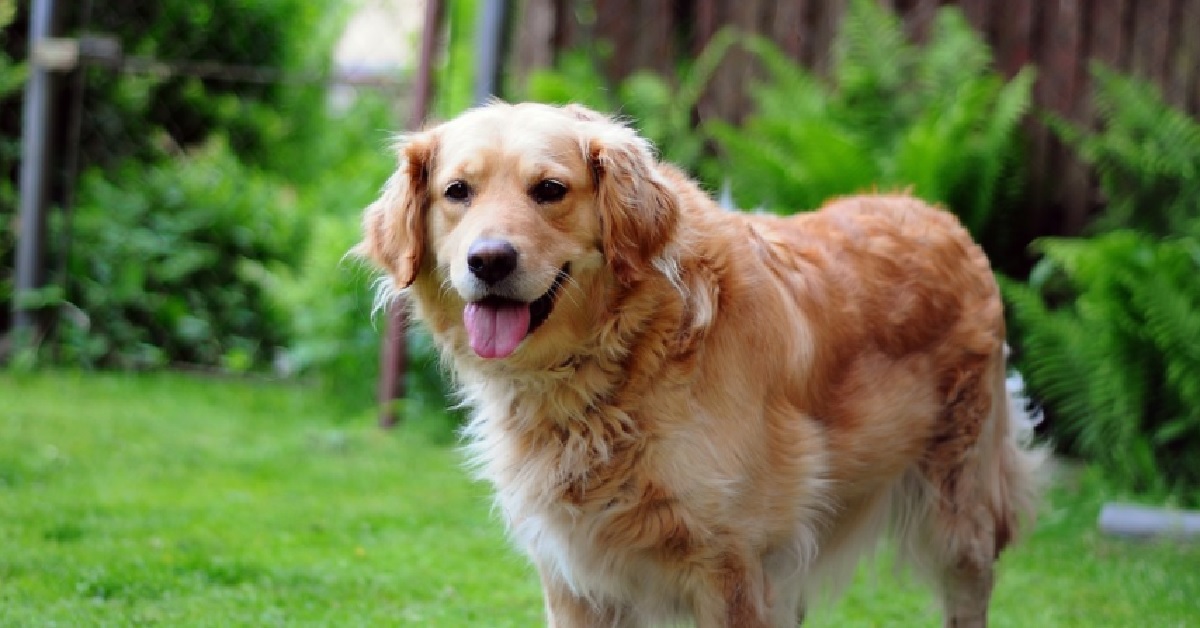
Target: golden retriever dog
{"points": [[695, 414]]}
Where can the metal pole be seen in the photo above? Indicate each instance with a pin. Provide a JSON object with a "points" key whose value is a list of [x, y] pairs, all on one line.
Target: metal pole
{"points": [[489, 49], [393, 354], [35, 144]]}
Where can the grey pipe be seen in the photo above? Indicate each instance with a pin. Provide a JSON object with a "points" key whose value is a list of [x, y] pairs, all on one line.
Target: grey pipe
{"points": [[35, 158], [1141, 522], [489, 49]]}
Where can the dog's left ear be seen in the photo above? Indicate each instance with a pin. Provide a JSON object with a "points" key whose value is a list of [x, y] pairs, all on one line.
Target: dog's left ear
{"points": [[638, 210], [394, 225]]}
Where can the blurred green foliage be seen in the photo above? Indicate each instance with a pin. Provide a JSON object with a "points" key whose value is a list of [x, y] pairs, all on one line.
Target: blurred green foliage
{"points": [[163, 201], [148, 116], [662, 110], [455, 74], [330, 298], [1147, 155], [184, 234], [934, 118], [171, 263], [212, 220], [12, 76], [1107, 331], [187, 246], [1107, 326]]}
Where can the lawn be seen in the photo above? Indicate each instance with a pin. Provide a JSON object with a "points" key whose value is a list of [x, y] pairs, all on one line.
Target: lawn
{"points": [[187, 501]]}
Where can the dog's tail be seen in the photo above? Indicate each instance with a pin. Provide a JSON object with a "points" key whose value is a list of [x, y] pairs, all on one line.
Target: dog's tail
{"points": [[1012, 462]]}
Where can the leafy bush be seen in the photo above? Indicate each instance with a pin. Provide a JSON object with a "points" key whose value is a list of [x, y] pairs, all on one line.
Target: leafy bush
{"points": [[933, 118], [1147, 155], [332, 299], [1118, 361], [170, 264], [329, 295], [339, 332], [137, 115], [1107, 328], [11, 77], [661, 111], [135, 127]]}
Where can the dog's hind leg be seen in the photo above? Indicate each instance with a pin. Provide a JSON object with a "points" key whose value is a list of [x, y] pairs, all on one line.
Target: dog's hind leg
{"points": [[949, 545], [963, 505], [965, 584]]}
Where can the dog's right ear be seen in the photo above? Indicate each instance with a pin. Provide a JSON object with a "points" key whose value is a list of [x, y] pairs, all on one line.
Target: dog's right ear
{"points": [[394, 225], [638, 210]]}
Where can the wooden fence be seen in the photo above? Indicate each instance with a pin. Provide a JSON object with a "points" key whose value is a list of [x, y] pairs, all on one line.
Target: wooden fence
{"points": [[1158, 40]]}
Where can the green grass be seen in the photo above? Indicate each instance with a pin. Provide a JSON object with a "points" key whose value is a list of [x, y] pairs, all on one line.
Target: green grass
{"points": [[182, 501]]}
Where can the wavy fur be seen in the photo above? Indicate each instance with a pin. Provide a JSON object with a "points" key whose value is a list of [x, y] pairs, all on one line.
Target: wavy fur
{"points": [[723, 412]]}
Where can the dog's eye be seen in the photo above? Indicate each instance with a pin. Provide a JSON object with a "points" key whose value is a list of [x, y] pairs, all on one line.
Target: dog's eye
{"points": [[458, 191], [548, 191]]}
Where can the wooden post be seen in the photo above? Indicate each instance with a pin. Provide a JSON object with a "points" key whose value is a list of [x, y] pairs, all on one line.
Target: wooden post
{"points": [[393, 358]]}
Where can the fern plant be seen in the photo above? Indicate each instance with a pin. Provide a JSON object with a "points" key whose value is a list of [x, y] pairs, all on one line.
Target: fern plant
{"points": [[1118, 360], [935, 119], [1107, 327], [1147, 156], [661, 109]]}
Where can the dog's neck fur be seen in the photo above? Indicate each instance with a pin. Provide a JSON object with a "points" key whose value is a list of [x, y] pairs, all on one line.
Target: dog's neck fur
{"points": [[564, 424], [576, 393]]}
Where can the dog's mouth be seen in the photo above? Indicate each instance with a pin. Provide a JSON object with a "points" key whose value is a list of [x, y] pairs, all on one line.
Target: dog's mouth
{"points": [[496, 325]]}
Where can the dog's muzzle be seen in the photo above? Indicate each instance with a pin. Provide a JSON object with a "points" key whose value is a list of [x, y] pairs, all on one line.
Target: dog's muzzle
{"points": [[497, 325]]}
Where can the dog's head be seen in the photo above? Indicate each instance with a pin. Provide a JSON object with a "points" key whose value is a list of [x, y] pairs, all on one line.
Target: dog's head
{"points": [[514, 218]]}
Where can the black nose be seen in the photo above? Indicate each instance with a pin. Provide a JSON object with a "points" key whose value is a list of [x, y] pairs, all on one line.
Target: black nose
{"points": [[491, 260]]}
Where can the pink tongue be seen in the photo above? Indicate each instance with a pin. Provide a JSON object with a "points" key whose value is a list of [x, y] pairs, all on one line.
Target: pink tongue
{"points": [[496, 330]]}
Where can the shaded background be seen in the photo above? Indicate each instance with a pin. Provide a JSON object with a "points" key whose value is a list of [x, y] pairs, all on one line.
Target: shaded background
{"points": [[208, 162]]}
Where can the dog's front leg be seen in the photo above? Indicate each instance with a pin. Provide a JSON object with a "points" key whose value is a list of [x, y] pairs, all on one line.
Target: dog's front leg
{"points": [[565, 609], [735, 596]]}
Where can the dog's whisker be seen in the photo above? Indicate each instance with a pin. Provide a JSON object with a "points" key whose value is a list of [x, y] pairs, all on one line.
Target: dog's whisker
{"points": [[445, 286], [573, 290]]}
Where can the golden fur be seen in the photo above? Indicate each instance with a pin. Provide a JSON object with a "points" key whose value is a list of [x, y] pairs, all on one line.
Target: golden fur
{"points": [[722, 411]]}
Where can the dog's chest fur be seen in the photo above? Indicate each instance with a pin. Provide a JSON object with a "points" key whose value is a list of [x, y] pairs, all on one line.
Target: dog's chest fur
{"points": [[579, 495]]}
